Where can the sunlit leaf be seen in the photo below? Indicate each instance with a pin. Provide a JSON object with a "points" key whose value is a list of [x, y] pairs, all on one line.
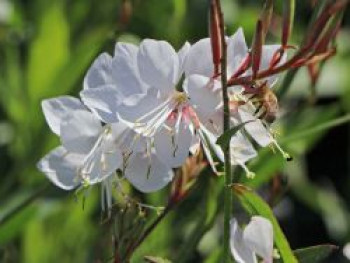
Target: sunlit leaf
{"points": [[156, 260], [49, 50]]}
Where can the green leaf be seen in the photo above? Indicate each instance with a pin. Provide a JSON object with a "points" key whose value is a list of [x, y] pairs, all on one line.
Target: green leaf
{"points": [[224, 139], [318, 128], [85, 51], [17, 224], [255, 205], [205, 219], [70, 73], [60, 232], [266, 166], [313, 254], [49, 50], [156, 260]]}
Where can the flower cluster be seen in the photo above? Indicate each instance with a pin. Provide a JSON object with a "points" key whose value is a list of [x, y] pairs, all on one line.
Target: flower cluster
{"points": [[143, 111]]}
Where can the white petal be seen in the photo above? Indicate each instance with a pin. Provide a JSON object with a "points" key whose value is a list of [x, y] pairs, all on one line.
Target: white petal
{"points": [[237, 50], [61, 168], [126, 138], [240, 251], [57, 108], [100, 72], [158, 64], [241, 149], [204, 94], [147, 173], [213, 122], [258, 235], [125, 70], [182, 54], [111, 161], [199, 59], [172, 146], [145, 110], [126, 50], [346, 251], [79, 132], [267, 54], [256, 129], [103, 101], [100, 164], [111, 154]]}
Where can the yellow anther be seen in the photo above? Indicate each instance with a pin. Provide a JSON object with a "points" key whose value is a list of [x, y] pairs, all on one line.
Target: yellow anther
{"points": [[180, 97]]}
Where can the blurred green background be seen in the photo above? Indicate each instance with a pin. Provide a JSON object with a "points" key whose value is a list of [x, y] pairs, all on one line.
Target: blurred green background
{"points": [[46, 48]]}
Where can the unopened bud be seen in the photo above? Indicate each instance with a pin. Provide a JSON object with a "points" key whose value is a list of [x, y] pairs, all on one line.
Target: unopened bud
{"points": [[257, 48], [215, 38]]}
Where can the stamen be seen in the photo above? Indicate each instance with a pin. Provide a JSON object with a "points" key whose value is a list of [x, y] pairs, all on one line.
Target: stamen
{"points": [[160, 106], [152, 125], [285, 155], [249, 174], [104, 164], [148, 171]]}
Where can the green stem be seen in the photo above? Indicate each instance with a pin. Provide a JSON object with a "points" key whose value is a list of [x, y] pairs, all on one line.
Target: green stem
{"points": [[318, 128], [227, 154], [6, 217]]}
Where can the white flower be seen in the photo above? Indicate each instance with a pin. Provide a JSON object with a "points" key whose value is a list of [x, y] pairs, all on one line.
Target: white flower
{"points": [[88, 153], [205, 93], [91, 152], [255, 240], [109, 82], [138, 85], [346, 251]]}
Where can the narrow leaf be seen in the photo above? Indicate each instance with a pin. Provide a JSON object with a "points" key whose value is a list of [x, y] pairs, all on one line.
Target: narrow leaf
{"points": [[49, 50], [266, 16], [224, 139], [288, 20], [312, 130], [313, 254], [257, 206], [150, 259]]}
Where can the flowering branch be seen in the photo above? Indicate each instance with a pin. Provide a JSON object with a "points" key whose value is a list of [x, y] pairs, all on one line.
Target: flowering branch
{"points": [[217, 25]]}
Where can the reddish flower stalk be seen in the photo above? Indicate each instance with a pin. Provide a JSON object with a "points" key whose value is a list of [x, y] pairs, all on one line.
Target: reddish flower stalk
{"points": [[313, 51], [295, 62], [215, 39], [257, 48]]}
